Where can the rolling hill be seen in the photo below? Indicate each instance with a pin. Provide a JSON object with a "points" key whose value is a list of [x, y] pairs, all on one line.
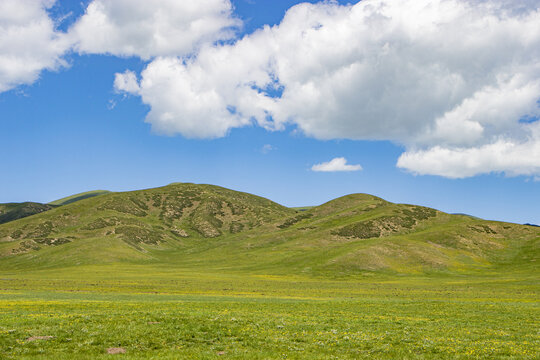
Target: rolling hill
{"points": [[77, 197], [14, 211], [208, 227]]}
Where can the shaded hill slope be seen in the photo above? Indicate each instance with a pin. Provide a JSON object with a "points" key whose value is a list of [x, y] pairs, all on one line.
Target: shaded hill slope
{"points": [[206, 227], [77, 197], [14, 211]]}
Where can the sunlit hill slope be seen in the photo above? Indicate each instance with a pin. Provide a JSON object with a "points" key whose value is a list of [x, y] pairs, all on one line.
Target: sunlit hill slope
{"points": [[209, 227]]}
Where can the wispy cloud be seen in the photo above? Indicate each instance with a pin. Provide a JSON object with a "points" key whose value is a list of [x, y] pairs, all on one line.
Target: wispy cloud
{"points": [[336, 164], [267, 148]]}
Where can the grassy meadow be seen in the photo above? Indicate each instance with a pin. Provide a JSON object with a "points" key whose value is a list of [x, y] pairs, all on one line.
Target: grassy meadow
{"points": [[160, 312]]}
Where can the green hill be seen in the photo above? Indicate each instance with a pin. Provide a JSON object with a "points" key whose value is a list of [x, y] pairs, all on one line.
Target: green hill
{"points": [[211, 228], [13, 211], [130, 226], [77, 197]]}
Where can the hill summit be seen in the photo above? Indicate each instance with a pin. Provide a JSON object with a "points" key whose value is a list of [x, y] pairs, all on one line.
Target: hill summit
{"points": [[206, 226]]}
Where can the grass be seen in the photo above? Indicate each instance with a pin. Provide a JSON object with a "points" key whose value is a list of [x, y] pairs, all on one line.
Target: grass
{"points": [[163, 312], [202, 272]]}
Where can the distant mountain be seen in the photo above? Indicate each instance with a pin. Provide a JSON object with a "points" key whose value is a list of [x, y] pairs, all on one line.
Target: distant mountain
{"points": [[13, 211], [206, 226], [531, 225], [462, 214], [77, 197]]}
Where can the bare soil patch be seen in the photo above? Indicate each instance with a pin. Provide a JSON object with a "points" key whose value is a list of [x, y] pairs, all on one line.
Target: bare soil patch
{"points": [[34, 338], [117, 350]]}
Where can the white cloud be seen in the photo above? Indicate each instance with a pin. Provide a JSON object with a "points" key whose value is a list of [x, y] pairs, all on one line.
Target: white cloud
{"points": [[448, 79], [126, 82], [451, 75], [207, 95], [183, 102], [152, 28], [503, 155], [336, 164], [29, 42]]}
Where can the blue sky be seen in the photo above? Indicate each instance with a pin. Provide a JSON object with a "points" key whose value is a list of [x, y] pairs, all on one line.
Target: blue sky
{"points": [[73, 129]]}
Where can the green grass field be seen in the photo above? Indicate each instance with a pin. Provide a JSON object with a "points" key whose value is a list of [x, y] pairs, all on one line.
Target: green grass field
{"points": [[201, 272], [174, 313]]}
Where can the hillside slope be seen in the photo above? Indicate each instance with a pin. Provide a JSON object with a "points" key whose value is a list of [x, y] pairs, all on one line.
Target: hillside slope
{"points": [[362, 233], [129, 226], [77, 197], [14, 211], [206, 227]]}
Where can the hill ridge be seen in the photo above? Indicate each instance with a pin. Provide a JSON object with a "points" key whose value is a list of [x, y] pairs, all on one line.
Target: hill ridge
{"points": [[202, 225], [77, 197], [14, 211]]}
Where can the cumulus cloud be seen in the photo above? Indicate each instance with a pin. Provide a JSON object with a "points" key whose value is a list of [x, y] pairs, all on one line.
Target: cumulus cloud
{"points": [[504, 155], [450, 80], [184, 101], [152, 28], [334, 165], [29, 42], [437, 76], [126, 82]]}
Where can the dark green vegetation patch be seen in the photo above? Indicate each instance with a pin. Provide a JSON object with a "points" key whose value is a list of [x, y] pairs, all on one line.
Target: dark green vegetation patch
{"points": [[136, 234], [293, 220], [405, 218]]}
